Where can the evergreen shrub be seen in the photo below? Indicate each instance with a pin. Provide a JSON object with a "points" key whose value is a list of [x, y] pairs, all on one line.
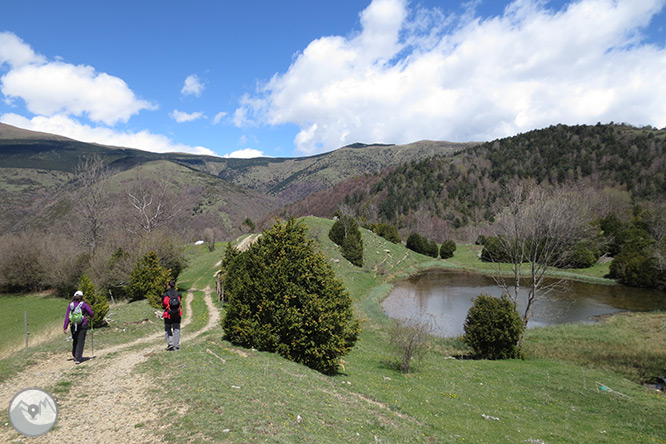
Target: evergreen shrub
{"points": [[493, 250], [346, 234], [493, 328], [420, 244], [97, 301], [635, 269], [581, 257], [447, 248], [387, 231], [148, 280], [282, 296]]}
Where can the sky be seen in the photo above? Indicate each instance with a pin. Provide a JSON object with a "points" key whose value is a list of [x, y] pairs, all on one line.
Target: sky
{"points": [[300, 77]]}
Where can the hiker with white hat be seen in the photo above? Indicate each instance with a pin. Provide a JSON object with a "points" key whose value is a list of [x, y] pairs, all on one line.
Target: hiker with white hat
{"points": [[77, 320]]}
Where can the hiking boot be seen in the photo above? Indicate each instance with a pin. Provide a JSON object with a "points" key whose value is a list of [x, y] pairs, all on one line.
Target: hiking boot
{"points": [[169, 348]]}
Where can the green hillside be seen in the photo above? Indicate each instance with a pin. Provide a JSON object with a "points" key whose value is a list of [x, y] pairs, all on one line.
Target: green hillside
{"points": [[221, 393], [256, 396]]}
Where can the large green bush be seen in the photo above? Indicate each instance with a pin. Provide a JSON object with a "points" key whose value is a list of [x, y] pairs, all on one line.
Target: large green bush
{"points": [[494, 250], [387, 231], [582, 256], [493, 328], [636, 269], [423, 245], [282, 296], [352, 248]]}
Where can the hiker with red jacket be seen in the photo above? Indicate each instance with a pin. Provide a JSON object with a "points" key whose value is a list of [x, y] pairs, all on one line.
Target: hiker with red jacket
{"points": [[172, 314], [78, 321]]}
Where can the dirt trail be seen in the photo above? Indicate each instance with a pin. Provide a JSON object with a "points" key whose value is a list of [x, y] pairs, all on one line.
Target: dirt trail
{"points": [[116, 398]]}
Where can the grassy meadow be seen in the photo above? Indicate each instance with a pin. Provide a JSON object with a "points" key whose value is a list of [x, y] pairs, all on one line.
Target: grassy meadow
{"points": [[578, 383], [45, 319]]}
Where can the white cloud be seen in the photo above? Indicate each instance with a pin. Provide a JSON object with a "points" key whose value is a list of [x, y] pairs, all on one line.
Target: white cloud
{"points": [[59, 94], [52, 88], [247, 153], [193, 86], [15, 52], [65, 126], [181, 117], [411, 75], [218, 117]]}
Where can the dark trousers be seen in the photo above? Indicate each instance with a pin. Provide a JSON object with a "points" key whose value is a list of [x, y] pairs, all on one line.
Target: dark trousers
{"points": [[78, 341]]}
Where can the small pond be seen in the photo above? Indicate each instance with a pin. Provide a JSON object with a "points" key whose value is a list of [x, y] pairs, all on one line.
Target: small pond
{"points": [[443, 297]]}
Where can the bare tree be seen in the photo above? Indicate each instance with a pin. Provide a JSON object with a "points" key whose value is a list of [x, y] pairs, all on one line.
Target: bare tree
{"points": [[656, 218], [153, 205], [533, 231], [92, 201], [346, 210], [210, 235]]}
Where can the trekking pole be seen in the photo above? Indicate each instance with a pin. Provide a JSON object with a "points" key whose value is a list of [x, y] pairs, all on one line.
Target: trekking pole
{"points": [[92, 337]]}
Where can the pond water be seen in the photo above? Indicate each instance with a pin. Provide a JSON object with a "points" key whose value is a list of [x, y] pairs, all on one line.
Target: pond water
{"points": [[443, 297]]}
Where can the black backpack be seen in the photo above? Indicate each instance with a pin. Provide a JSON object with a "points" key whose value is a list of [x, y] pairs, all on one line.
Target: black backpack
{"points": [[174, 303]]}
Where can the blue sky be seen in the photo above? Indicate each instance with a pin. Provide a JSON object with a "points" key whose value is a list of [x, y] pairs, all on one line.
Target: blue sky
{"points": [[296, 78]]}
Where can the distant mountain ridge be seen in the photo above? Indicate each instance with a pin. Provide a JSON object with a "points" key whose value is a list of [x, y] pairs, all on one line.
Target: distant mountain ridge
{"points": [[287, 178], [13, 132], [38, 167]]}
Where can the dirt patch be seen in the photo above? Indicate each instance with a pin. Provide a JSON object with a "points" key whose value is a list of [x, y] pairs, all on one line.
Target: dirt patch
{"points": [[246, 242]]}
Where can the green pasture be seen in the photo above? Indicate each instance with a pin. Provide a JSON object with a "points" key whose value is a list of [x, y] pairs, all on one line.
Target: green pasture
{"points": [[46, 316]]}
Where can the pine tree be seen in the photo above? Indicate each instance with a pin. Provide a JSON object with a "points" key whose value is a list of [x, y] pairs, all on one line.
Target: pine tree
{"points": [[97, 301], [352, 248], [148, 280], [346, 234]]}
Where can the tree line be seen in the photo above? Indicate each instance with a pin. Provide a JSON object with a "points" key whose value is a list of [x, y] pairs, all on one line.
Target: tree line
{"points": [[451, 196]]}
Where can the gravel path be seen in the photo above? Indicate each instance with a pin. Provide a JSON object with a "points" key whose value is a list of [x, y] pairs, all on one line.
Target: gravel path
{"points": [[116, 399]]}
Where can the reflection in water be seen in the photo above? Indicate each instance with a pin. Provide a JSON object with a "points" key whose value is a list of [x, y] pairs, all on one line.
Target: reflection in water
{"points": [[444, 297]]}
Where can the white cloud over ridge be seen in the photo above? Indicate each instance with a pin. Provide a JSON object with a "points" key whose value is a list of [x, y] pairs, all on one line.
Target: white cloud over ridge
{"points": [[417, 74], [68, 127], [51, 88], [246, 153], [59, 94]]}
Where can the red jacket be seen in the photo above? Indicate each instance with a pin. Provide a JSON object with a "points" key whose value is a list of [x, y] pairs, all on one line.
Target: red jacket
{"points": [[165, 303]]}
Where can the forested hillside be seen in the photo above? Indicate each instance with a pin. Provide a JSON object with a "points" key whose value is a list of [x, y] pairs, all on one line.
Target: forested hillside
{"points": [[456, 195]]}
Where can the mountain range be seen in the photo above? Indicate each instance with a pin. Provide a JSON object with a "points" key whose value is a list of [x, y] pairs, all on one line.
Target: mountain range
{"points": [[441, 189], [37, 177]]}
